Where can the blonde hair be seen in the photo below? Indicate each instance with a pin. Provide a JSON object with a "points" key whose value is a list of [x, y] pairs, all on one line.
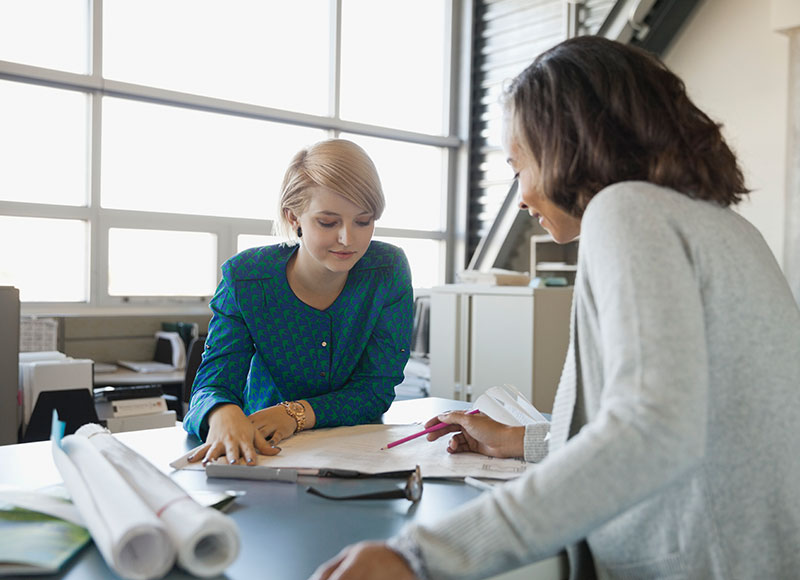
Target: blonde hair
{"points": [[335, 164]]}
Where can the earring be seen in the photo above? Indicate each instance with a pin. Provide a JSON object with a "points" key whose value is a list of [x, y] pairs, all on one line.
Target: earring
{"points": [[299, 232]]}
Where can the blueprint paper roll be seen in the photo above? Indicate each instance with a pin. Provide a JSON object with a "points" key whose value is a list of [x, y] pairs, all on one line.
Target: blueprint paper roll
{"points": [[206, 540], [131, 539]]}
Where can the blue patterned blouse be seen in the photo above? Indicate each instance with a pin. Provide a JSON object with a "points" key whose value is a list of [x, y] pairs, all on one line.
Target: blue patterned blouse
{"points": [[265, 345]]}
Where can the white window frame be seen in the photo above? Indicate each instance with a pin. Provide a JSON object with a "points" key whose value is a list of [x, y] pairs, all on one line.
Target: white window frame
{"points": [[454, 142]]}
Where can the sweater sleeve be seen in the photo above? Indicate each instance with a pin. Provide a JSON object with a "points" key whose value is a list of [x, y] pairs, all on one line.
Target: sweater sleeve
{"points": [[641, 296], [535, 441]]}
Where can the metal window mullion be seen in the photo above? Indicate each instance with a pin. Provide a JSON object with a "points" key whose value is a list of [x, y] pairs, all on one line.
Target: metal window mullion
{"points": [[457, 169], [98, 235], [335, 74], [36, 75], [409, 233]]}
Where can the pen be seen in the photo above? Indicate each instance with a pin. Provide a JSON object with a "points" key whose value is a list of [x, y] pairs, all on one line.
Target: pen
{"points": [[419, 434]]}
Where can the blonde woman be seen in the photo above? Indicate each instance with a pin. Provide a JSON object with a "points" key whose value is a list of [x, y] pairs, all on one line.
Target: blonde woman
{"points": [[312, 333]]}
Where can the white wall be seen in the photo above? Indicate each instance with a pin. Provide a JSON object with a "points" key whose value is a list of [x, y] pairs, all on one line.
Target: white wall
{"points": [[736, 69]]}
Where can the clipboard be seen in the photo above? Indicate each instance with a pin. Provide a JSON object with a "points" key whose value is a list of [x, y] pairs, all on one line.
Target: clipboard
{"points": [[290, 475]]}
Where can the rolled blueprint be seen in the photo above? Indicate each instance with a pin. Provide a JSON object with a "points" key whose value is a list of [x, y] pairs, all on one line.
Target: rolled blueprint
{"points": [[206, 540], [132, 540]]}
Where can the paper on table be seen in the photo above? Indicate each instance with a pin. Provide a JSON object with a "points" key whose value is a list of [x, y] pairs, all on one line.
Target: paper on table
{"points": [[206, 540], [41, 502], [359, 448]]}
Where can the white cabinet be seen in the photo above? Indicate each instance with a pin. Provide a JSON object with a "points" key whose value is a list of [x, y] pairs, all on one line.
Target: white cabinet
{"points": [[482, 336], [551, 259]]}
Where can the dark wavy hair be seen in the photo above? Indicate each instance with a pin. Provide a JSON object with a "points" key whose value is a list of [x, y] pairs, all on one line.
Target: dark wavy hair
{"points": [[594, 112]]}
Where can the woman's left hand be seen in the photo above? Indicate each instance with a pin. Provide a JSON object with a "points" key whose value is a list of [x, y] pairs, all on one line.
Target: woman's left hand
{"points": [[274, 423], [363, 561]]}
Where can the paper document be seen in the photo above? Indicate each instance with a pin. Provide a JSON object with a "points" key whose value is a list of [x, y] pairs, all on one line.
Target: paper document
{"points": [[507, 405], [146, 366], [358, 448]]}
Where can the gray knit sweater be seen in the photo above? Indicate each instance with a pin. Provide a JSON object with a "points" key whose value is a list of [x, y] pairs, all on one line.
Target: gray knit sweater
{"points": [[683, 458]]}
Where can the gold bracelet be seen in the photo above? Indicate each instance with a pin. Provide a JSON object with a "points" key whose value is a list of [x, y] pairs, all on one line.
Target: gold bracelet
{"points": [[296, 411]]}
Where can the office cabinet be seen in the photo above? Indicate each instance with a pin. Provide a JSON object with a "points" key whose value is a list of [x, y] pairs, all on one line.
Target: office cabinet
{"points": [[551, 259], [9, 364], [482, 336]]}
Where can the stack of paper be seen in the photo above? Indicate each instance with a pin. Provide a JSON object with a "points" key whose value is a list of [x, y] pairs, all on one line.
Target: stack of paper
{"points": [[506, 404], [50, 371]]}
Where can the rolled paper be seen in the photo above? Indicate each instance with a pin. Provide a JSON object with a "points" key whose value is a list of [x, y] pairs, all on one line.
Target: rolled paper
{"points": [[206, 540], [131, 539]]}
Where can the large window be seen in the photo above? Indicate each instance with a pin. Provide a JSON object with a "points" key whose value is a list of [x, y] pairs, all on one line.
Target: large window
{"points": [[144, 142]]}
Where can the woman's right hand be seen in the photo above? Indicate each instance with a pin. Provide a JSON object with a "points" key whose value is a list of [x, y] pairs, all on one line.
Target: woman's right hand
{"points": [[232, 434], [478, 433]]}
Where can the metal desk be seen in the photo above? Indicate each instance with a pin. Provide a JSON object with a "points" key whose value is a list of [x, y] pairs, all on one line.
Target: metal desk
{"points": [[285, 532]]}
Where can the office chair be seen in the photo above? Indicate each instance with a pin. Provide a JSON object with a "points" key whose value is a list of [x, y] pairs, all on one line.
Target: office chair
{"points": [[194, 356], [75, 407]]}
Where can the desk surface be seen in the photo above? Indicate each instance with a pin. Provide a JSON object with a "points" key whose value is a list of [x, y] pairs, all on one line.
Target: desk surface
{"points": [[285, 532]]}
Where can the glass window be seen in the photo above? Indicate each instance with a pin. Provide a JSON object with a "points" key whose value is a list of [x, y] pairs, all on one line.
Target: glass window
{"points": [[245, 241], [393, 63], [49, 261], [413, 182], [161, 263], [168, 159], [43, 144], [425, 258], [46, 33], [268, 53]]}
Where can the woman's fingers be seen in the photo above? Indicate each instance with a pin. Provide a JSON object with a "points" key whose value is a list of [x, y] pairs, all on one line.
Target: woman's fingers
{"points": [[213, 450], [197, 454], [456, 421], [434, 435]]}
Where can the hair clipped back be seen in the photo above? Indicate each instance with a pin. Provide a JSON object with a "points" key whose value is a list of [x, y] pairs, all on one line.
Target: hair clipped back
{"points": [[594, 112], [338, 165]]}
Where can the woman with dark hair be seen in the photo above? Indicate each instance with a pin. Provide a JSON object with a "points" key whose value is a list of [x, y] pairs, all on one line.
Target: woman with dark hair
{"points": [[671, 452]]}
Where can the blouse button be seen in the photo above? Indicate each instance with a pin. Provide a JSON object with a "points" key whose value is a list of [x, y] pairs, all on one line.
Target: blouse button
{"points": [[322, 374], [324, 343]]}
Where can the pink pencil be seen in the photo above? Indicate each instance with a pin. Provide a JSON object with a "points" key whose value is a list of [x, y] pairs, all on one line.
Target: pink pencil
{"points": [[421, 433]]}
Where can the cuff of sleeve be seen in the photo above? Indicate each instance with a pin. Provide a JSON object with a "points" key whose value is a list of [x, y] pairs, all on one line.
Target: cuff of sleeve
{"points": [[535, 441], [409, 550]]}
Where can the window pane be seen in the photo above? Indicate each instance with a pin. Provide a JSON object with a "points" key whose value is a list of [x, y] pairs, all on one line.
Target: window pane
{"points": [[43, 144], [245, 241], [161, 263], [393, 63], [425, 258], [167, 159], [46, 33], [268, 53], [47, 259], [412, 177]]}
